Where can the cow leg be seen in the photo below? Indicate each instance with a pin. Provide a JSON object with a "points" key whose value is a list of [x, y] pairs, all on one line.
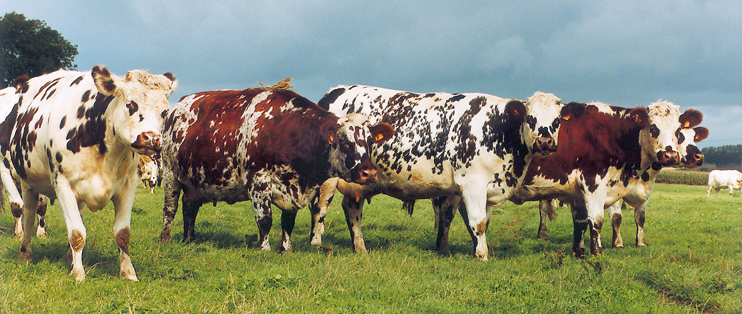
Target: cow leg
{"points": [[28, 216], [478, 214], [17, 214], [288, 219], [444, 208], [170, 207], [545, 207], [122, 204], [614, 211], [16, 200], [264, 219], [353, 216], [595, 223], [71, 212], [579, 222], [318, 208], [190, 211], [41, 212], [639, 213]]}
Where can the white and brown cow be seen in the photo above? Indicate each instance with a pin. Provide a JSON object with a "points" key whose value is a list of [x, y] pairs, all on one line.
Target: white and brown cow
{"points": [[690, 157], [8, 98], [267, 145], [149, 172], [606, 152], [76, 137], [469, 146], [721, 179]]}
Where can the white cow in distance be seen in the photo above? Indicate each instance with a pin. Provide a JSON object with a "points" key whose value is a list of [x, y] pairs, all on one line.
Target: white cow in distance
{"points": [[719, 179]]}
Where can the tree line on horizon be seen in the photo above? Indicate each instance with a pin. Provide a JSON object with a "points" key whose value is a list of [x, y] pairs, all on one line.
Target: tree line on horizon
{"points": [[723, 157]]}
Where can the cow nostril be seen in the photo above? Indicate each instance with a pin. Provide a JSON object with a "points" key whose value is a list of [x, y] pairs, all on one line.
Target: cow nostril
{"points": [[368, 174]]}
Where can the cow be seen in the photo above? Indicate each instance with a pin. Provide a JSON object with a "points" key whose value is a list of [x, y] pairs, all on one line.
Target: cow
{"points": [[76, 137], [268, 145], [606, 153], [470, 146], [691, 157], [8, 98], [149, 172], [721, 179]]}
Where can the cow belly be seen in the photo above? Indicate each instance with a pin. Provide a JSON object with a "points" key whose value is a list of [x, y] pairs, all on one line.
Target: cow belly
{"points": [[217, 193], [416, 184]]}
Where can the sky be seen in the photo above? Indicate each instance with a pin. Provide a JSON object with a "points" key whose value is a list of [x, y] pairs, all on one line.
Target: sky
{"points": [[623, 53]]}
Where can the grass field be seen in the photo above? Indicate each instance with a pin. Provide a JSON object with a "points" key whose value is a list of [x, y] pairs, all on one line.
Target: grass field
{"points": [[693, 263]]}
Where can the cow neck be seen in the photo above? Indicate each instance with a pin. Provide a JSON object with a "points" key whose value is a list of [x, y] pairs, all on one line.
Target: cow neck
{"points": [[119, 154]]}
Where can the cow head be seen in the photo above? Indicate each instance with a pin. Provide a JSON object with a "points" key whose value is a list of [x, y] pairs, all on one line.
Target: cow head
{"points": [[542, 121], [659, 141], [349, 151], [138, 105], [688, 134]]}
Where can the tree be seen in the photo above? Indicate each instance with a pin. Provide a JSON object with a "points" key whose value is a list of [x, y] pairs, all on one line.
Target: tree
{"points": [[31, 47]]}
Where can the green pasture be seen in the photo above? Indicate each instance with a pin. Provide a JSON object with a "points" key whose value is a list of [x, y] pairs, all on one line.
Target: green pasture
{"points": [[692, 264]]}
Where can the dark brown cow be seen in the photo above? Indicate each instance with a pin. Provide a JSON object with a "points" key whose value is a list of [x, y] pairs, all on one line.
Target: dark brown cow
{"points": [[270, 146]]}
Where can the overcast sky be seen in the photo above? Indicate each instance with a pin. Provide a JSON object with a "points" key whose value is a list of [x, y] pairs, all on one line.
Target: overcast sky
{"points": [[624, 53]]}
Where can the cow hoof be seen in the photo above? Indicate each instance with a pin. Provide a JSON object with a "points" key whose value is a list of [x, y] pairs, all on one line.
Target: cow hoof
{"points": [[79, 274], [164, 237], [25, 256], [324, 248], [130, 276], [316, 241]]}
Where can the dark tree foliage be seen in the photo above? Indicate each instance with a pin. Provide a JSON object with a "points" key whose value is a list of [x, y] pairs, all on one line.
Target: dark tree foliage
{"points": [[31, 47], [725, 157]]}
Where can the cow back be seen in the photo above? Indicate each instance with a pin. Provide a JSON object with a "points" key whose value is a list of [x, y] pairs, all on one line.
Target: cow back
{"points": [[216, 141]]}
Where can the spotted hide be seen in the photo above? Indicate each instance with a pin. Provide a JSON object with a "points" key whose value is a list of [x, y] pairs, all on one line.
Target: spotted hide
{"points": [[691, 157], [76, 137], [607, 151], [269, 146], [472, 146], [8, 179]]}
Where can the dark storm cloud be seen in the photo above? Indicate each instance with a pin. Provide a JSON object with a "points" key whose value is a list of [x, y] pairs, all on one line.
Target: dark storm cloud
{"points": [[626, 53]]}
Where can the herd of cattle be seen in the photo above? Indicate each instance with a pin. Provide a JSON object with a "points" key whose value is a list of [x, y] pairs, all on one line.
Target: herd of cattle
{"points": [[85, 139]]}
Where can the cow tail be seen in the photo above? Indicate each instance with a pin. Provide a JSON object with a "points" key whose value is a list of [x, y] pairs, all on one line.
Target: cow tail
{"points": [[409, 207]]}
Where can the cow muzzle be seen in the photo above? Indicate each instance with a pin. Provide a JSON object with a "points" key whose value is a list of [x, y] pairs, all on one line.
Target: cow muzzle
{"points": [[544, 145], [366, 176], [147, 143], [693, 160], [668, 158]]}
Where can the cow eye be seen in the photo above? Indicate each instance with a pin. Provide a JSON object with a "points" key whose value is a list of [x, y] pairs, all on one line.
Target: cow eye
{"points": [[164, 114], [132, 106]]}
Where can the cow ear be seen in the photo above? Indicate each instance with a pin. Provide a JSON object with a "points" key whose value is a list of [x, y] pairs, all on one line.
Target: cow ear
{"points": [[516, 110], [701, 134], [103, 80], [572, 110], [640, 116], [691, 118], [381, 132], [329, 132], [173, 82]]}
